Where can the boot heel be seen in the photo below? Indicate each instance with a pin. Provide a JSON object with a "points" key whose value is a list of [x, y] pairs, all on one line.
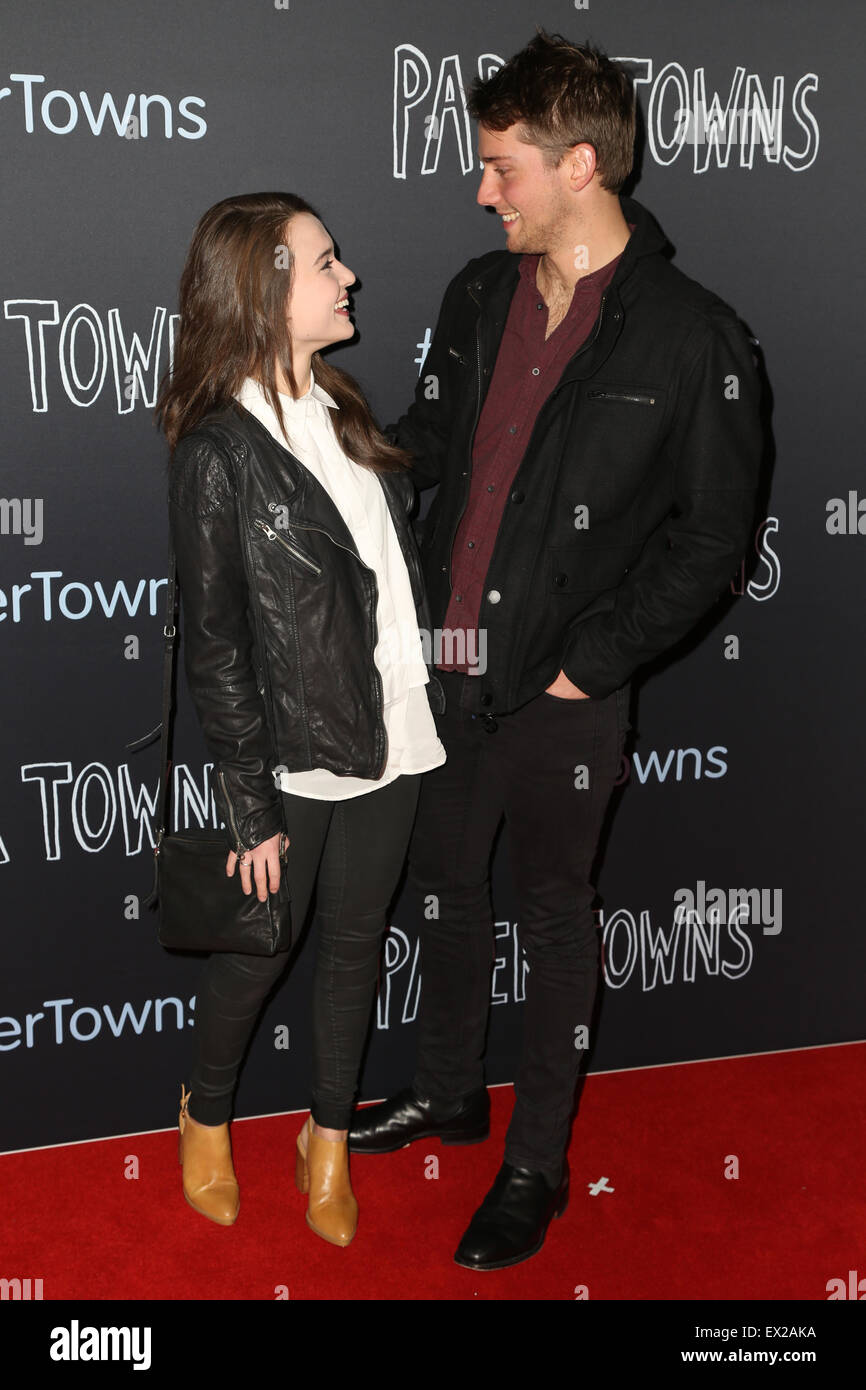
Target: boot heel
{"points": [[181, 1120], [563, 1203], [209, 1182], [302, 1172]]}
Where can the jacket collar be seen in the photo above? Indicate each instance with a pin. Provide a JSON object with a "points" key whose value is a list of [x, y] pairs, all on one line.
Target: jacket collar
{"points": [[492, 288], [311, 502]]}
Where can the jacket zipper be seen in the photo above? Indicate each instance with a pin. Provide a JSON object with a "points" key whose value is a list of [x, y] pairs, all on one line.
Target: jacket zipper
{"points": [[250, 570], [295, 553], [240, 848], [639, 397], [588, 345], [272, 535], [298, 526]]}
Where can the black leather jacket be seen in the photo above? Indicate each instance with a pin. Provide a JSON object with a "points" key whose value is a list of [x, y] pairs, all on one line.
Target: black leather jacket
{"points": [[232, 489]]}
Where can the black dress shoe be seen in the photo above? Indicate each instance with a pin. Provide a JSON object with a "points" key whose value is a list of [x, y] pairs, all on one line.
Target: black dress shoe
{"points": [[512, 1221], [380, 1129]]}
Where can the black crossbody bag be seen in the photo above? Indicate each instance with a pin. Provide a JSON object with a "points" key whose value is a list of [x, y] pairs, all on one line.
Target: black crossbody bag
{"points": [[200, 907]]}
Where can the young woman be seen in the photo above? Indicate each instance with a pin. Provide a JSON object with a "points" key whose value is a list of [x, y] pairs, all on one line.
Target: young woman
{"points": [[284, 495]]}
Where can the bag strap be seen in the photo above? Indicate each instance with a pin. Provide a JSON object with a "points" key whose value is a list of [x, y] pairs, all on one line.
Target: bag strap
{"points": [[164, 728]]}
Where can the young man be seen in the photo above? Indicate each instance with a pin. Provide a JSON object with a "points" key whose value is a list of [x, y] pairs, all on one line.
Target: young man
{"points": [[593, 426]]}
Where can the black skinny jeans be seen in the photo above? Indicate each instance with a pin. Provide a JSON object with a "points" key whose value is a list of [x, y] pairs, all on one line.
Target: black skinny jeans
{"points": [[356, 848], [528, 770]]}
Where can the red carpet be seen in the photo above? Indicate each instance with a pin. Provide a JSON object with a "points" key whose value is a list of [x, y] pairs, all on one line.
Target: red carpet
{"points": [[674, 1226]]}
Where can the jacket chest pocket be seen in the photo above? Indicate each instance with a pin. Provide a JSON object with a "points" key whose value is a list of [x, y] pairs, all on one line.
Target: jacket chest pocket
{"points": [[288, 546], [624, 396], [619, 427]]}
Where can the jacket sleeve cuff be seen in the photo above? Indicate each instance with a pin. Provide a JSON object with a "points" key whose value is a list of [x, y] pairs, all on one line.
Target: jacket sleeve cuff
{"points": [[251, 828]]}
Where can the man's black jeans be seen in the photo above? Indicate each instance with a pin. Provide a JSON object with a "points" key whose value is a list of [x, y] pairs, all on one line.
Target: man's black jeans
{"points": [[549, 768], [352, 851]]}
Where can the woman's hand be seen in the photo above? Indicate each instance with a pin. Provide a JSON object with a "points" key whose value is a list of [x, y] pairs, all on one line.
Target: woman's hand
{"points": [[263, 863]]}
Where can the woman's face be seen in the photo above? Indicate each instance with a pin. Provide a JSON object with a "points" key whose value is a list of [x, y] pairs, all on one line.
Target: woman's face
{"points": [[317, 308]]}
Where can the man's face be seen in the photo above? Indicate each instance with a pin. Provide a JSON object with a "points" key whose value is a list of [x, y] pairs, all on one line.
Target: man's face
{"points": [[534, 202]]}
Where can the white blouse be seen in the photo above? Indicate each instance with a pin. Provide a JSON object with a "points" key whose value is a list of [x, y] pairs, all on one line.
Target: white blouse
{"points": [[413, 744]]}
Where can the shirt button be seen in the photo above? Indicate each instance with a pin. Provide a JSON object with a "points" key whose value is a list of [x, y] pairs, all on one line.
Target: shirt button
{"points": [[490, 487], [539, 306], [494, 596], [470, 545], [459, 598], [512, 429], [535, 371]]}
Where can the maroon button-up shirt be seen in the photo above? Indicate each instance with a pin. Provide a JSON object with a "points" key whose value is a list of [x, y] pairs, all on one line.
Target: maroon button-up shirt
{"points": [[527, 369]]}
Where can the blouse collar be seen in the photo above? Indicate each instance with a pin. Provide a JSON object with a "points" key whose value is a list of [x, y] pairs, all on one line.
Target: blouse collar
{"points": [[288, 403]]}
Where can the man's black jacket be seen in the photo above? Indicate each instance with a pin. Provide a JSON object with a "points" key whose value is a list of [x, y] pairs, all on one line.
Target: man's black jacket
{"points": [[653, 427]]}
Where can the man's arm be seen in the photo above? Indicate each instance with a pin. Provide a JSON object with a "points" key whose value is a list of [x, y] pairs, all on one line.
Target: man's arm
{"points": [[425, 428], [716, 443], [218, 649]]}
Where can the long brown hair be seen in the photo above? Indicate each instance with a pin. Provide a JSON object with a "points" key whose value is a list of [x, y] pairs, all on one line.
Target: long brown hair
{"points": [[232, 302]]}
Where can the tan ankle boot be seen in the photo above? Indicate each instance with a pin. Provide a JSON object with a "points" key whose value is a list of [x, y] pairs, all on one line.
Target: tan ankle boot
{"points": [[322, 1170], [205, 1153]]}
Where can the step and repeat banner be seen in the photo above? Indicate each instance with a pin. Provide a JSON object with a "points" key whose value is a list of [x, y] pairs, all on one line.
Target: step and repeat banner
{"points": [[730, 877]]}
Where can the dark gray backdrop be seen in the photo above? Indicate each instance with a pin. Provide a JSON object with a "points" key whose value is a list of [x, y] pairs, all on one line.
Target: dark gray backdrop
{"points": [[332, 100]]}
